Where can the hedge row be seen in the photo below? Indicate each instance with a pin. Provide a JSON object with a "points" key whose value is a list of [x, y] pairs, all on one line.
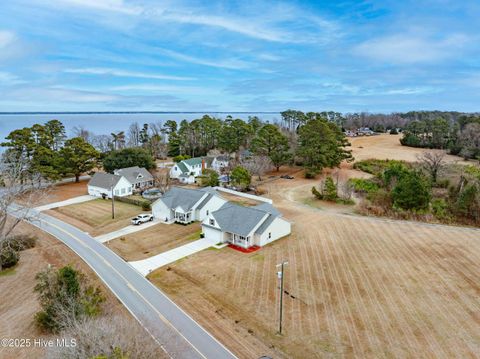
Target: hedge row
{"points": [[144, 203]]}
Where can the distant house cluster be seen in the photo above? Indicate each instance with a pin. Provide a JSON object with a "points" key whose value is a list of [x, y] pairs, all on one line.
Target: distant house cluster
{"points": [[362, 131], [123, 182], [186, 171], [222, 221]]}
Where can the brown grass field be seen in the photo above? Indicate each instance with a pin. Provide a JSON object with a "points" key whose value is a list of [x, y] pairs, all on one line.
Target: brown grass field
{"points": [[154, 240], [95, 217], [18, 302], [357, 287], [386, 146]]}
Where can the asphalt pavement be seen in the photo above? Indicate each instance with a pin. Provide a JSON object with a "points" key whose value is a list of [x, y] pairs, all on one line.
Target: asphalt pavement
{"points": [[174, 330]]}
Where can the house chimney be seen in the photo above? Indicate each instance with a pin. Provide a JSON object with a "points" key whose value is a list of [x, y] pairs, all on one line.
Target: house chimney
{"points": [[203, 164]]}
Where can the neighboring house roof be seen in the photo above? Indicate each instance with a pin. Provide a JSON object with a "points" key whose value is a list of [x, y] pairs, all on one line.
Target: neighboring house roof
{"points": [[182, 167], [134, 174], [238, 219], [209, 160], [104, 180], [184, 198], [193, 161], [223, 158]]}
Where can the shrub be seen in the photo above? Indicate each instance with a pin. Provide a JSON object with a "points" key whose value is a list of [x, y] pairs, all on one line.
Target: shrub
{"points": [[310, 174], [65, 296], [328, 191], [412, 192], [144, 203], [361, 185], [180, 158], [21, 242], [8, 257], [445, 183], [375, 166], [440, 209]]}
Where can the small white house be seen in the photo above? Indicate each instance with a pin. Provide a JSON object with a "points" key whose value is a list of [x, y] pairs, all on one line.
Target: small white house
{"points": [[103, 184], [185, 205], [245, 226], [221, 162], [139, 177], [186, 171]]}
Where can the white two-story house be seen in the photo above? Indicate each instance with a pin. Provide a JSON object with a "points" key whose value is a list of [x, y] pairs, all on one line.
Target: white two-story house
{"points": [[187, 170]]}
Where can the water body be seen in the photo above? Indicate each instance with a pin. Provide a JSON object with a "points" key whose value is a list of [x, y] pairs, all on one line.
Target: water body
{"points": [[106, 123]]}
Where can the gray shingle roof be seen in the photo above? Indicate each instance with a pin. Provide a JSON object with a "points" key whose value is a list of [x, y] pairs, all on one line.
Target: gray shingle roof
{"points": [[238, 219], [267, 207], [132, 173], [104, 180], [181, 197]]}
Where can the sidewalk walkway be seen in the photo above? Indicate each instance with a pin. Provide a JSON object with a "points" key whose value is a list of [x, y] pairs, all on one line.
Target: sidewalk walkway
{"points": [[126, 230], [145, 266], [67, 202]]}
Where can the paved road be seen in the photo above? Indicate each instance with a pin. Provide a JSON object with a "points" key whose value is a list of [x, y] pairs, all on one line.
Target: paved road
{"points": [[179, 335]]}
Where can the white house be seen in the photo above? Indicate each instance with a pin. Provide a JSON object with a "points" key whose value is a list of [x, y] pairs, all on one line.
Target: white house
{"points": [[245, 226], [102, 184], [220, 162], [186, 171], [185, 205], [139, 177]]}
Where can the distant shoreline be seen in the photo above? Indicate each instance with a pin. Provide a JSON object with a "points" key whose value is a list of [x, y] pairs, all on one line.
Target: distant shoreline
{"points": [[134, 112]]}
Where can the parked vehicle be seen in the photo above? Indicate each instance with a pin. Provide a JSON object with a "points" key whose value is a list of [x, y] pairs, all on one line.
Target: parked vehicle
{"points": [[287, 177], [142, 218]]}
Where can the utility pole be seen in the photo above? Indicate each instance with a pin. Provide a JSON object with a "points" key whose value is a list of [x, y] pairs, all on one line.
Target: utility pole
{"points": [[113, 205], [280, 276]]}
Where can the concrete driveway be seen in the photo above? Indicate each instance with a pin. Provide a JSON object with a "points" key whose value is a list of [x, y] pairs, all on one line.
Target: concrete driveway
{"points": [[127, 230], [145, 266], [67, 202]]}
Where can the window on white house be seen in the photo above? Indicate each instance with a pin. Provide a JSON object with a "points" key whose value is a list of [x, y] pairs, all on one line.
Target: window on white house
{"points": [[269, 235], [116, 192], [129, 189], [212, 222], [207, 212], [175, 168], [123, 190]]}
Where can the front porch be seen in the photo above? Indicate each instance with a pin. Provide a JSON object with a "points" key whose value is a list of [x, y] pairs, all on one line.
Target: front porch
{"points": [[183, 218], [238, 240]]}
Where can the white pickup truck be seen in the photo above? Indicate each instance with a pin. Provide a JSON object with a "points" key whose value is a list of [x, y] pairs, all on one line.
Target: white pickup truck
{"points": [[142, 218]]}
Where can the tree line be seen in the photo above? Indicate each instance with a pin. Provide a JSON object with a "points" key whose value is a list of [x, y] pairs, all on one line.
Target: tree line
{"points": [[461, 137], [315, 142]]}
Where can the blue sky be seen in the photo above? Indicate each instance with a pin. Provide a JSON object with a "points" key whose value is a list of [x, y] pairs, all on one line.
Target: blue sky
{"points": [[376, 56]]}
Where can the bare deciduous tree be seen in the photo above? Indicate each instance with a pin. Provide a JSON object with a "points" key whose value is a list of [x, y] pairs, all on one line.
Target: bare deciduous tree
{"points": [[19, 184], [80, 131], [432, 162], [257, 165], [161, 180], [109, 336]]}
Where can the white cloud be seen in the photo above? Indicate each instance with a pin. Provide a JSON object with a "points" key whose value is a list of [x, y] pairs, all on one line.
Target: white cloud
{"points": [[7, 78], [411, 48], [118, 6], [233, 64], [6, 38], [124, 73]]}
